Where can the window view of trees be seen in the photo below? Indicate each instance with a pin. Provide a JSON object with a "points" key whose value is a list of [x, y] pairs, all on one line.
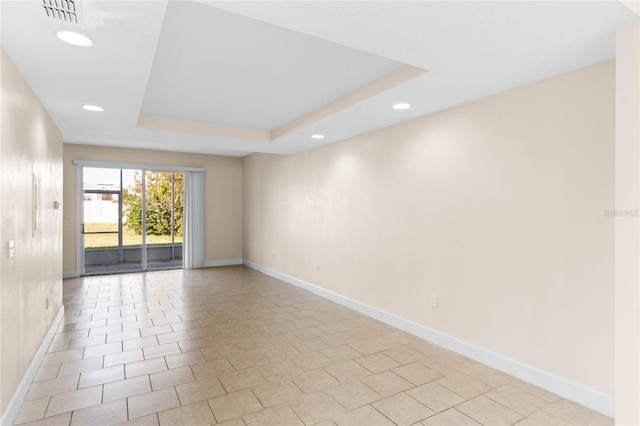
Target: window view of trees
{"points": [[158, 193]]}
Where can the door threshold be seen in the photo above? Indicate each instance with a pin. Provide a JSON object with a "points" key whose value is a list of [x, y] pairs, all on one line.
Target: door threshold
{"points": [[121, 269]]}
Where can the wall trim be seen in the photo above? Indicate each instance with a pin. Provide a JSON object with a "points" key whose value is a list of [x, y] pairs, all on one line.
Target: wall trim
{"points": [[575, 392], [10, 413], [223, 262], [70, 274], [79, 219], [119, 165]]}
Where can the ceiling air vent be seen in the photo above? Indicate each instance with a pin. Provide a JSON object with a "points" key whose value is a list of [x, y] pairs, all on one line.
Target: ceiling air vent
{"points": [[62, 10]]}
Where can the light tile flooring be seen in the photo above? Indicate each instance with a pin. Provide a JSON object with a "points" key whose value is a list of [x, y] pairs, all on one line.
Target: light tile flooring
{"points": [[233, 346]]}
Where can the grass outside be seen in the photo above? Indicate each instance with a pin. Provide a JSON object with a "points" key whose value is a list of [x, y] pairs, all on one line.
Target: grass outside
{"points": [[129, 238]]}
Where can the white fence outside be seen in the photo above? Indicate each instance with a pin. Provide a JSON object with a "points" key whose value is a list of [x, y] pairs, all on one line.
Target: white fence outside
{"points": [[99, 211]]}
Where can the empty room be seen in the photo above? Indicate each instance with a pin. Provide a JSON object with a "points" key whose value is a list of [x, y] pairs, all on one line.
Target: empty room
{"points": [[320, 213]]}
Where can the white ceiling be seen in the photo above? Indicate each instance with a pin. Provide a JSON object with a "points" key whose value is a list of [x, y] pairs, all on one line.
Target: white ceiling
{"points": [[247, 73], [260, 65]]}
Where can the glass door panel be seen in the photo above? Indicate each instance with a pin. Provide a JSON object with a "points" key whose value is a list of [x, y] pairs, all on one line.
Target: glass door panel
{"points": [[102, 221], [163, 251], [178, 213], [132, 242]]}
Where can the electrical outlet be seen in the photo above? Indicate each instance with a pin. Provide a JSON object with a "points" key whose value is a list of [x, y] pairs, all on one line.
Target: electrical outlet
{"points": [[434, 301], [317, 268], [11, 248]]}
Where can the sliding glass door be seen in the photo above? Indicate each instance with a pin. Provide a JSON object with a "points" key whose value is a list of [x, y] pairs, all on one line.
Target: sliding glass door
{"points": [[102, 227], [164, 195], [132, 220]]}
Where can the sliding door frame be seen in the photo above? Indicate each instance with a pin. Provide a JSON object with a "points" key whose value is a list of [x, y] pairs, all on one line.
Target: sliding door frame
{"points": [[80, 165]]}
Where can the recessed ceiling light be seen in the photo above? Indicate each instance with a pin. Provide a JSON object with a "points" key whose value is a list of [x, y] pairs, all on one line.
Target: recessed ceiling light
{"points": [[75, 38], [401, 106], [94, 108], [317, 136]]}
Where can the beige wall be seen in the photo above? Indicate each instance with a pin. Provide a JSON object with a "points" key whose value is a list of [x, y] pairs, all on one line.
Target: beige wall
{"points": [[223, 195], [496, 206], [627, 230], [30, 144]]}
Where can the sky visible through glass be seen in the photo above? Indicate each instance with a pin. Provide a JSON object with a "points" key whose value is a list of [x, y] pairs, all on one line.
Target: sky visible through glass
{"points": [[98, 178]]}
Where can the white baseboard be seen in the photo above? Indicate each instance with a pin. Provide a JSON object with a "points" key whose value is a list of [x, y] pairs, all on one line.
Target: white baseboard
{"points": [[223, 262], [10, 413], [70, 274], [575, 392]]}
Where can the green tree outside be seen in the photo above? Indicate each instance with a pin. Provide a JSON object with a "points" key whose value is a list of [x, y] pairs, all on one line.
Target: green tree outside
{"points": [[158, 193]]}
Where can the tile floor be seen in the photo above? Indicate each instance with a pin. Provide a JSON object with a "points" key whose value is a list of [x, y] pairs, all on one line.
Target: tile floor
{"points": [[235, 347]]}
